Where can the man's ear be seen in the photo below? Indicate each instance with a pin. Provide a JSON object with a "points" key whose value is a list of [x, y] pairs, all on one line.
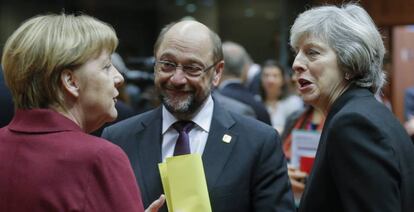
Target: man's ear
{"points": [[70, 82], [217, 73]]}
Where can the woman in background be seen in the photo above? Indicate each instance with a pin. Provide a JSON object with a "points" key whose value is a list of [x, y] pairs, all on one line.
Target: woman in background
{"points": [[276, 96], [311, 120], [59, 71]]}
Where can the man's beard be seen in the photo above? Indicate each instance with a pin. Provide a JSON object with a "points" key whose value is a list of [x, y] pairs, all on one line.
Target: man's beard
{"points": [[184, 106]]}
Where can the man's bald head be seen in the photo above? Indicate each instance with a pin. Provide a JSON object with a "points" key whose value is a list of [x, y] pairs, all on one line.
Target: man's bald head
{"points": [[191, 29], [235, 58]]}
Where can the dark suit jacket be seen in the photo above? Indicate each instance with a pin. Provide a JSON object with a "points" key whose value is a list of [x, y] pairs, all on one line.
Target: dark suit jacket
{"points": [[49, 164], [364, 162], [247, 174], [6, 102], [239, 92], [233, 105]]}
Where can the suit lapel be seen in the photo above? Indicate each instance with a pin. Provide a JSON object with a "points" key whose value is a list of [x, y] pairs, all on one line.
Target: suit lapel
{"points": [[217, 152], [215, 156], [149, 155]]}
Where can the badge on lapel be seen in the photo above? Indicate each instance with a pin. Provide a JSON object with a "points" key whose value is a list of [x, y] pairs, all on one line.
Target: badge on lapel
{"points": [[226, 138]]}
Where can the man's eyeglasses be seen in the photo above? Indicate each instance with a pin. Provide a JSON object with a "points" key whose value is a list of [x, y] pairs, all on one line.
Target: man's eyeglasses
{"points": [[190, 70]]}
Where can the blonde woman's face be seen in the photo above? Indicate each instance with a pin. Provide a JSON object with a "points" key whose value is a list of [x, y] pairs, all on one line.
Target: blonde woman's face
{"points": [[98, 82]]}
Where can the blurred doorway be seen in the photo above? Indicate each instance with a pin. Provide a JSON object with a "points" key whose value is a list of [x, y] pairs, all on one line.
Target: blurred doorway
{"points": [[402, 66]]}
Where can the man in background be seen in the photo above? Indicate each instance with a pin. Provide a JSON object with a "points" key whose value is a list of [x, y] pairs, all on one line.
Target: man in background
{"points": [[232, 85]]}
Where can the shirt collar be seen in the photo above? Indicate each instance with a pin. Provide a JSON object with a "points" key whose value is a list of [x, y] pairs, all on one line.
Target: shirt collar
{"points": [[202, 118]]}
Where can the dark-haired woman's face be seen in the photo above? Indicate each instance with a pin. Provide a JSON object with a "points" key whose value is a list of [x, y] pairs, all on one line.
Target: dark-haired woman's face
{"points": [[272, 81]]}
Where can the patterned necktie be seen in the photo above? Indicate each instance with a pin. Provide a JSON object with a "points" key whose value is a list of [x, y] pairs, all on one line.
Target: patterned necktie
{"points": [[182, 146]]}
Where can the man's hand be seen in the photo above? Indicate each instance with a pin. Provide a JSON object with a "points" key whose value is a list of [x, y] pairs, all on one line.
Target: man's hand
{"points": [[156, 205]]}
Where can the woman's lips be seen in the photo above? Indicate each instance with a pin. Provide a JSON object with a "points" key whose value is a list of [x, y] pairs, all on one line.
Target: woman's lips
{"points": [[304, 84]]}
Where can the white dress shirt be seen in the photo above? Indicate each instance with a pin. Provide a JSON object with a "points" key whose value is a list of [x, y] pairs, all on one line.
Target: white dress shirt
{"points": [[198, 135]]}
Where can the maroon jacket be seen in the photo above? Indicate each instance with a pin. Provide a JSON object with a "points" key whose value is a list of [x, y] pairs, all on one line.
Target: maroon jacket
{"points": [[48, 164]]}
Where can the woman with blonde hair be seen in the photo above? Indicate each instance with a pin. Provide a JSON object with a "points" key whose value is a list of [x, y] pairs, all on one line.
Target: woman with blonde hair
{"points": [[59, 71]]}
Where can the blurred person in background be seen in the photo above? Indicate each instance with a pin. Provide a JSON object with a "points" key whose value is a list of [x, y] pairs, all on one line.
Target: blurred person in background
{"points": [[252, 76], [232, 84], [307, 119], [233, 105], [59, 71], [364, 160], [6, 102], [409, 111], [275, 94]]}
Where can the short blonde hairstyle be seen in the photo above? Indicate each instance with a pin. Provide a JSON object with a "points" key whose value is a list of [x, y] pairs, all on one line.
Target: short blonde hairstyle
{"points": [[42, 47]]}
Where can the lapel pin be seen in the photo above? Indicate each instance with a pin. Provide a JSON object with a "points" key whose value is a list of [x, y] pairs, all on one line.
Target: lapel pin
{"points": [[226, 138]]}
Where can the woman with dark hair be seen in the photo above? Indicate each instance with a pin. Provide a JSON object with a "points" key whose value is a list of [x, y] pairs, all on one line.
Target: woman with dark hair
{"points": [[275, 94]]}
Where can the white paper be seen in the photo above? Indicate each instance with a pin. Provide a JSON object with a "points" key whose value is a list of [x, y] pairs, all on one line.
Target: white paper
{"points": [[304, 143]]}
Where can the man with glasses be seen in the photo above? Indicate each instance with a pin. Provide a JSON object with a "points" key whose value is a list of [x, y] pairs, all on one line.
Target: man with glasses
{"points": [[243, 160]]}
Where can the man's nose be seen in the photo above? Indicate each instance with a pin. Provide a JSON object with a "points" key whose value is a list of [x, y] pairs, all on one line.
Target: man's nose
{"points": [[179, 76]]}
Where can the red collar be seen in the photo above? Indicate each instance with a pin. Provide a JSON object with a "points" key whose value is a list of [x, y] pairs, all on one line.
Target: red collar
{"points": [[41, 121]]}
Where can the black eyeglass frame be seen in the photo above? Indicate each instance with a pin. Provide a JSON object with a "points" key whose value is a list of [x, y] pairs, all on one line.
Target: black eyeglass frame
{"points": [[175, 66]]}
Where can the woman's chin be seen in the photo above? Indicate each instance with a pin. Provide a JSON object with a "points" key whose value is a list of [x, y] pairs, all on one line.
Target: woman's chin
{"points": [[113, 115], [308, 99]]}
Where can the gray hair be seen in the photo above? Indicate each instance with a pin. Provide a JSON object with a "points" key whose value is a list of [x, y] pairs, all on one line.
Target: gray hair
{"points": [[235, 58], [352, 34]]}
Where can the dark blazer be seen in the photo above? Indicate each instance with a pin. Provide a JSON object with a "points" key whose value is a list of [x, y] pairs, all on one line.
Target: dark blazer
{"points": [[239, 92], [6, 102], [233, 105], [247, 174], [49, 164], [364, 162]]}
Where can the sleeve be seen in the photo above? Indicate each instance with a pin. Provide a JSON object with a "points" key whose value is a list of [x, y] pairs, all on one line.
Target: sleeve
{"points": [[363, 165], [112, 186], [272, 189]]}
